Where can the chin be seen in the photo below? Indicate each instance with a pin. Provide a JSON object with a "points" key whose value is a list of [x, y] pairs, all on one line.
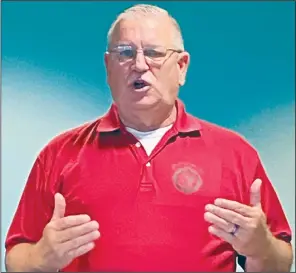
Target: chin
{"points": [[146, 102]]}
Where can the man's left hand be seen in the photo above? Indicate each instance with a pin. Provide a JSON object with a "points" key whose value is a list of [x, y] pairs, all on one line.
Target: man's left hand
{"points": [[243, 226]]}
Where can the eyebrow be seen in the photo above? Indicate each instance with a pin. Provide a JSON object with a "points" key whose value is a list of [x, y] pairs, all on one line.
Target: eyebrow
{"points": [[124, 43], [133, 45]]}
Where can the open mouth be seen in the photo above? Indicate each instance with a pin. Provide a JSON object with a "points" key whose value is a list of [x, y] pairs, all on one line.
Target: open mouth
{"points": [[139, 84]]}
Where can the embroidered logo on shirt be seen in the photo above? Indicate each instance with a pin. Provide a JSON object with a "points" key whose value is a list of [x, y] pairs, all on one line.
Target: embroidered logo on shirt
{"points": [[186, 178]]}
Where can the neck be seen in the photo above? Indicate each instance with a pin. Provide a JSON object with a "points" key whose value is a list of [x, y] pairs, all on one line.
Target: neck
{"points": [[149, 120]]}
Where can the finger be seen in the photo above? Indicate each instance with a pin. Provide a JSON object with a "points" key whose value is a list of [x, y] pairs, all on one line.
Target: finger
{"points": [[219, 222], [255, 198], [228, 215], [222, 234], [76, 231], [71, 221], [59, 207], [81, 240], [235, 206], [74, 253]]}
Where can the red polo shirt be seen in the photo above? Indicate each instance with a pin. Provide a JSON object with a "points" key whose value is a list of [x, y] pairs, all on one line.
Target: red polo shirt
{"points": [[150, 208]]}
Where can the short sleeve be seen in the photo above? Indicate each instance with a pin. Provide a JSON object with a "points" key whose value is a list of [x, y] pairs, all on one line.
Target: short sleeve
{"points": [[34, 209], [272, 207]]}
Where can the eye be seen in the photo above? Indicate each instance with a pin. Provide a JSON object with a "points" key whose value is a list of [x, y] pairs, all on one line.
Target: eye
{"points": [[154, 53], [126, 52]]}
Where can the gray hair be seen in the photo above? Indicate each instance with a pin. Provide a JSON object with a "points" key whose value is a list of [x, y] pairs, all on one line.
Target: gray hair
{"points": [[146, 10]]}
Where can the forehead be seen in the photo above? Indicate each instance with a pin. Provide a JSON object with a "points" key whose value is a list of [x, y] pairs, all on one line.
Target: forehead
{"points": [[154, 30]]}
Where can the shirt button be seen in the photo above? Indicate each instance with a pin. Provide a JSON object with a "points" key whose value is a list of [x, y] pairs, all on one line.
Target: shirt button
{"points": [[138, 144], [148, 164]]}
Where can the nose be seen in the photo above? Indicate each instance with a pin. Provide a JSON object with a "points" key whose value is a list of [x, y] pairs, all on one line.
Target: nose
{"points": [[140, 64]]}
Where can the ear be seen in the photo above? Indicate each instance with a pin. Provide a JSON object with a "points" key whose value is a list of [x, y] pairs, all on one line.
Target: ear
{"points": [[183, 63], [107, 60]]}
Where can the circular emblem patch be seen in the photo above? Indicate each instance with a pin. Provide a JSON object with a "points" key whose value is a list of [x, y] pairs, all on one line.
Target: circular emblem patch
{"points": [[186, 179]]}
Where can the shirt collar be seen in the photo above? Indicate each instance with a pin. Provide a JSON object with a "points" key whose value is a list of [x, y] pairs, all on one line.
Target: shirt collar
{"points": [[185, 123]]}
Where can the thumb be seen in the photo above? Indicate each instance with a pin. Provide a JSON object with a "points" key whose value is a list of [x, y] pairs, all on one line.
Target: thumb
{"points": [[59, 207], [255, 198]]}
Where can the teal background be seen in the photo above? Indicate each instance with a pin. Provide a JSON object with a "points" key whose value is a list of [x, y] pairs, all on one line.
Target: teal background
{"points": [[242, 76]]}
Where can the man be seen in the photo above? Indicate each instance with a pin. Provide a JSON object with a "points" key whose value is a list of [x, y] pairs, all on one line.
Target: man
{"points": [[148, 187]]}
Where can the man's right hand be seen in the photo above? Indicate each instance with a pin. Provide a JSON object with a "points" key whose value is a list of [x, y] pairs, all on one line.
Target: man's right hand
{"points": [[65, 238]]}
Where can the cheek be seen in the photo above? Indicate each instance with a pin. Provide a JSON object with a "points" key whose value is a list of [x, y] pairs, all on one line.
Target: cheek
{"points": [[170, 77], [117, 75], [118, 81], [167, 83]]}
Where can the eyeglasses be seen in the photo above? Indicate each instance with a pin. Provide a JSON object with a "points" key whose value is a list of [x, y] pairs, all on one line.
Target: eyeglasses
{"points": [[125, 53]]}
